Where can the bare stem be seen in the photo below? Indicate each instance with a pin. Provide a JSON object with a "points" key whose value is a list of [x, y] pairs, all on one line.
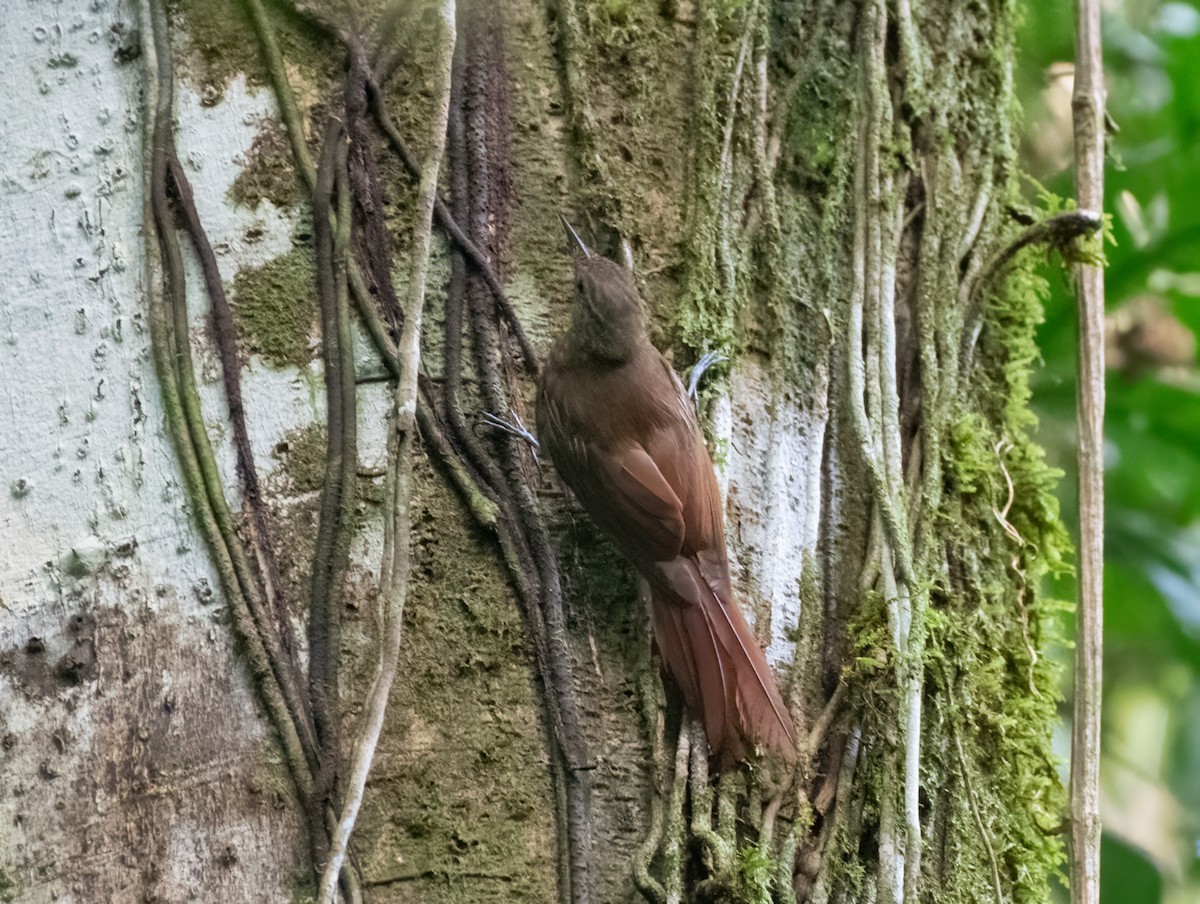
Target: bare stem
{"points": [[1088, 105]]}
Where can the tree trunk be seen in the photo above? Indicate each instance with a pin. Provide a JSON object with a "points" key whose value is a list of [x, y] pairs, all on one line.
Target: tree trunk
{"points": [[818, 191]]}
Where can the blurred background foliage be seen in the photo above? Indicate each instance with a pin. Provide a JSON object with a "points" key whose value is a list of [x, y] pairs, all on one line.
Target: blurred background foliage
{"points": [[1151, 766]]}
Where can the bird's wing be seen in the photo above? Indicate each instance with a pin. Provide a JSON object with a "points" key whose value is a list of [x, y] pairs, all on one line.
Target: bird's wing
{"points": [[646, 503], [676, 446], [622, 488]]}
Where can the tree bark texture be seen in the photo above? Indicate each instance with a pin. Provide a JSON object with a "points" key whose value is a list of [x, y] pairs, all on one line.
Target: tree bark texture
{"points": [[819, 191]]}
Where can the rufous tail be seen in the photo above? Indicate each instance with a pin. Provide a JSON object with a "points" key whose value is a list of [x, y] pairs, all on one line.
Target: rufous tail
{"points": [[726, 683]]}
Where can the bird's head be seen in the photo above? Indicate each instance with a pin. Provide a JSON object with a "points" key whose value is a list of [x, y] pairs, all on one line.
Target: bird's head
{"points": [[607, 316]]}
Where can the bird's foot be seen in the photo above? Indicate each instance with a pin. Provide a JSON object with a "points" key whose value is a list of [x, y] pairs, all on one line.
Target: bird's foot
{"points": [[515, 427], [705, 362]]}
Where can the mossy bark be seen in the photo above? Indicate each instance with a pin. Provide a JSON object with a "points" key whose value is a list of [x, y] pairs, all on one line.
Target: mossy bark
{"points": [[811, 188]]}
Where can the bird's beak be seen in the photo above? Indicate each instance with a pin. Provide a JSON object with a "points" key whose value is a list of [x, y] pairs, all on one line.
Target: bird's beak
{"points": [[574, 242]]}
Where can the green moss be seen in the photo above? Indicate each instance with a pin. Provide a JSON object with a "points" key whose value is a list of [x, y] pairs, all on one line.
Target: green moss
{"points": [[275, 308], [814, 137], [711, 289], [870, 642], [1008, 354], [974, 464], [990, 690], [303, 453], [618, 11], [803, 265], [219, 45], [267, 172]]}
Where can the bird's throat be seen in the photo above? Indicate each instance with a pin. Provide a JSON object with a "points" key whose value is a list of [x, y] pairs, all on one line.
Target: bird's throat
{"points": [[609, 341]]}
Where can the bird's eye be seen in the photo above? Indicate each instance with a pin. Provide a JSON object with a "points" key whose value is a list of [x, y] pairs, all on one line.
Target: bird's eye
{"points": [[579, 285]]}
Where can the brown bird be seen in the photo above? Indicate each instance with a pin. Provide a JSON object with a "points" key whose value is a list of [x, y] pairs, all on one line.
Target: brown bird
{"points": [[624, 436]]}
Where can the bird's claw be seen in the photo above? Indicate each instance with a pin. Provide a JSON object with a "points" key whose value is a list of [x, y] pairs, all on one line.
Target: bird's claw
{"points": [[515, 427], [706, 361]]}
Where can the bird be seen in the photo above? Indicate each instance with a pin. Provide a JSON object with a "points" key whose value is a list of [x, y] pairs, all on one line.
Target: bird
{"points": [[624, 437]]}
